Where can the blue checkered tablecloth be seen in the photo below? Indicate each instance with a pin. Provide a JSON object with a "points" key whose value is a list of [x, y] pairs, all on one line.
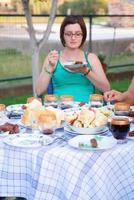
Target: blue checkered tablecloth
{"points": [[61, 172]]}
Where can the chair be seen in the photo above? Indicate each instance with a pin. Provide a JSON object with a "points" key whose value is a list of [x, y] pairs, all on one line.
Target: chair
{"points": [[50, 87]]}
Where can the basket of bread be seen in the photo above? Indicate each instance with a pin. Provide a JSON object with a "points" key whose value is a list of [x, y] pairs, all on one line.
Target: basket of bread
{"points": [[87, 121]]}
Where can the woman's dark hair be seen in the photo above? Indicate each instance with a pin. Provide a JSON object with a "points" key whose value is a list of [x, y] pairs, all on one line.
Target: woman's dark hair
{"points": [[73, 19]]}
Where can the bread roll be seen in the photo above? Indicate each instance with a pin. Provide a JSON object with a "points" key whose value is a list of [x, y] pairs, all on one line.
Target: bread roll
{"points": [[47, 120], [31, 114], [30, 99]]}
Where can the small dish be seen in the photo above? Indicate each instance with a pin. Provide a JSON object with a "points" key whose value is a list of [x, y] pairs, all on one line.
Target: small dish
{"points": [[27, 140], [83, 142]]}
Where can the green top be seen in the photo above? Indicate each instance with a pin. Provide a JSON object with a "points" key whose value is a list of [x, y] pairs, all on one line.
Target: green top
{"points": [[69, 83]]}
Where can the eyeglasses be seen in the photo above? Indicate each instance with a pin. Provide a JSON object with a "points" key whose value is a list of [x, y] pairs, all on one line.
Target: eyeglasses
{"points": [[70, 34]]}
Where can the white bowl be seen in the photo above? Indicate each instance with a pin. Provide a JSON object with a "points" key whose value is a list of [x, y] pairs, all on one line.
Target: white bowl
{"points": [[88, 131]]}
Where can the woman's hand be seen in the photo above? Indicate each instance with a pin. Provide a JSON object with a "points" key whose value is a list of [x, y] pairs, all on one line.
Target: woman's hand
{"points": [[53, 58]]}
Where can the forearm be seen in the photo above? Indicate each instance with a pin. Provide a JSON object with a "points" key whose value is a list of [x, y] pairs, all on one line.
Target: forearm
{"points": [[128, 97], [42, 83], [100, 82]]}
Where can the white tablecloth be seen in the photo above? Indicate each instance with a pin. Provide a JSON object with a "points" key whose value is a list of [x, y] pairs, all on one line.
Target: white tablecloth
{"points": [[64, 173]]}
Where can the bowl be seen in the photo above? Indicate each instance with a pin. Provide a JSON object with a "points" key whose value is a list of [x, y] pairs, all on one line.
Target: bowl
{"points": [[89, 131]]}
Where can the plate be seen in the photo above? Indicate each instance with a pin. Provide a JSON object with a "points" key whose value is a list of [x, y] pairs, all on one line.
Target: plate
{"points": [[131, 137], [74, 133], [27, 140], [87, 131], [4, 134], [72, 65], [15, 108], [104, 142]]}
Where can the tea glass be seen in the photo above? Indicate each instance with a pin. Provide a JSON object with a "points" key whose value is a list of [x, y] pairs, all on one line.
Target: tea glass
{"points": [[120, 128], [47, 128]]}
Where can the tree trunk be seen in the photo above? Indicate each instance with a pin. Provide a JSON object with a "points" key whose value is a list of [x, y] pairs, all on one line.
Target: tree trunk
{"points": [[35, 44], [35, 68]]}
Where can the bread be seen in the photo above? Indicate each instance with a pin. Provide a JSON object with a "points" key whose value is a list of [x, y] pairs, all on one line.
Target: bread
{"points": [[47, 116], [51, 97], [30, 99], [122, 106], [60, 115], [66, 98], [30, 114], [96, 97], [47, 120], [2, 107]]}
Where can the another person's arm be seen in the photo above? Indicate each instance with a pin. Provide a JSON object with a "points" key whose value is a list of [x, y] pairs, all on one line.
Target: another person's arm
{"points": [[46, 73], [127, 96]]}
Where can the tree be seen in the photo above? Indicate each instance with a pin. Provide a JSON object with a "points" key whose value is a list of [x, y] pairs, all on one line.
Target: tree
{"points": [[36, 45], [84, 7]]}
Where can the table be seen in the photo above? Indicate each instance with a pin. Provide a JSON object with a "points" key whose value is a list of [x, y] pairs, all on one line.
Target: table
{"points": [[60, 172]]}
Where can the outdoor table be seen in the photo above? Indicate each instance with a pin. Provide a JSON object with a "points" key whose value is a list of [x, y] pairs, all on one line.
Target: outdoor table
{"points": [[61, 172]]}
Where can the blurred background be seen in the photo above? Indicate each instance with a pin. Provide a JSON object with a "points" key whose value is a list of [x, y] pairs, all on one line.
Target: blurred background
{"points": [[110, 25]]}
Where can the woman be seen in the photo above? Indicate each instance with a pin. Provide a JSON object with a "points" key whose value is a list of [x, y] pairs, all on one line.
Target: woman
{"points": [[79, 82], [127, 96]]}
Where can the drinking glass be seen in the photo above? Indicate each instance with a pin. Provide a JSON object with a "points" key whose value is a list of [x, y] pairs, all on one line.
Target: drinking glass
{"points": [[120, 128], [47, 128]]}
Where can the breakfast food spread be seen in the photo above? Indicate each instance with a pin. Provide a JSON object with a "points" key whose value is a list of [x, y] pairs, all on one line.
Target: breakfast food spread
{"points": [[35, 111]]}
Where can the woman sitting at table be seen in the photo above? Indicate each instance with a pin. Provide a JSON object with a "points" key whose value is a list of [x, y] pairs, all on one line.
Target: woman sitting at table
{"points": [[80, 82], [127, 96]]}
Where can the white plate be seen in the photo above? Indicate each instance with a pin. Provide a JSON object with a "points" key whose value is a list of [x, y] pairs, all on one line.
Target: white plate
{"points": [[4, 134], [15, 107], [72, 65], [27, 140], [130, 137], [74, 133], [104, 142], [87, 131]]}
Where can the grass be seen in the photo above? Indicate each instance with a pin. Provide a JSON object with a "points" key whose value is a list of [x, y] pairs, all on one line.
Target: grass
{"points": [[16, 64]]}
